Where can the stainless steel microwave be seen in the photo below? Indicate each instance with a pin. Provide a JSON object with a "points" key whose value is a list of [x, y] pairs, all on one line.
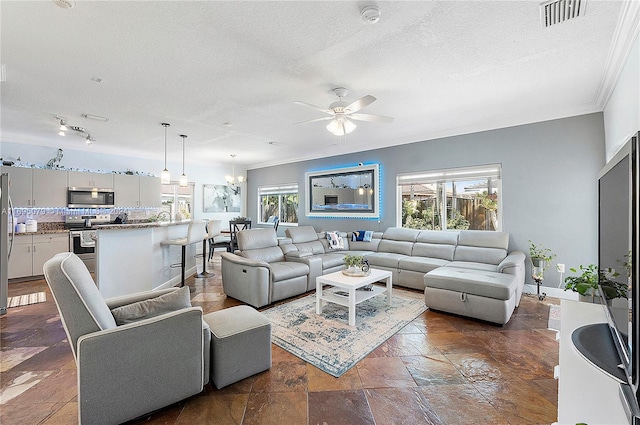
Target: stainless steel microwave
{"points": [[88, 197]]}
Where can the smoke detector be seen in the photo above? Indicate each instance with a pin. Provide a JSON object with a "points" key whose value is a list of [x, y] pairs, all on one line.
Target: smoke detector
{"points": [[370, 14]]}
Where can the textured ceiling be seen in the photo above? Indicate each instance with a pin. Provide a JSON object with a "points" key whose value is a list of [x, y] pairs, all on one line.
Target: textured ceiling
{"points": [[227, 73]]}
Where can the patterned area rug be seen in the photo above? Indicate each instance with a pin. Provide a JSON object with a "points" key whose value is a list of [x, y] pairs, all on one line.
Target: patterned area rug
{"points": [[20, 300], [327, 341], [554, 317]]}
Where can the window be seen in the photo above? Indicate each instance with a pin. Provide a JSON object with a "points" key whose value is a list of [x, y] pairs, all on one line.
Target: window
{"points": [[278, 201], [459, 198]]}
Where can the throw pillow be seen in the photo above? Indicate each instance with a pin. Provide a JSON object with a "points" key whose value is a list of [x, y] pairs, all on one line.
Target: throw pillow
{"points": [[361, 235], [166, 303], [335, 241]]}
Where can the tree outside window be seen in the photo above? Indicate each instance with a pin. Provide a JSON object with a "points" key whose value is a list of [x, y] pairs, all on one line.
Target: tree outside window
{"points": [[455, 199], [279, 201]]}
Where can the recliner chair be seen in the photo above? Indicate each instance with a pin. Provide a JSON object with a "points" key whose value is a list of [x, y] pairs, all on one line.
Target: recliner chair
{"points": [[258, 273], [125, 371]]}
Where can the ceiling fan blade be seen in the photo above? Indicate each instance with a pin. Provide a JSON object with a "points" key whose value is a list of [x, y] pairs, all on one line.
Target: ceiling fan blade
{"points": [[325, 110], [315, 120], [371, 117], [359, 104]]}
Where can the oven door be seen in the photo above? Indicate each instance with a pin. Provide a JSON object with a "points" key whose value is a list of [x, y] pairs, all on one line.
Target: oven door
{"points": [[83, 244]]}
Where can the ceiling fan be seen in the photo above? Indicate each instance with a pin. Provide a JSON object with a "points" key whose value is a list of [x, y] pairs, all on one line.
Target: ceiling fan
{"points": [[341, 113]]}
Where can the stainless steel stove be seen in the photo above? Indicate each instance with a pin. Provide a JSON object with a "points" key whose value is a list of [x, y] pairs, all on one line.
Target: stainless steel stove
{"points": [[82, 236]]}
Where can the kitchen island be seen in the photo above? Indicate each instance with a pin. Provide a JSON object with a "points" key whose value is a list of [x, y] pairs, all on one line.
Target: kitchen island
{"points": [[131, 257]]}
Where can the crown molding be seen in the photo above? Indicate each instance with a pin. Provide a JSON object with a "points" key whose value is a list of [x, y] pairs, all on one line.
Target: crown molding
{"points": [[626, 34]]}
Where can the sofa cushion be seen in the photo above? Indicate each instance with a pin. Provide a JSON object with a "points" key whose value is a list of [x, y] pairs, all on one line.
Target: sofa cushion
{"points": [[283, 270], [268, 255], [314, 247], [166, 303], [435, 244], [401, 234], [385, 259], [256, 239], [499, 286], [332, 260], [482, 246], [301, 234], [421, 264], [473, 266]]}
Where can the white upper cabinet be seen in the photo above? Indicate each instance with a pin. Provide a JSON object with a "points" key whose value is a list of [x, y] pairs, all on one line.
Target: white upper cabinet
{"points": [[88, 179], [35, 187], [137, 191]]}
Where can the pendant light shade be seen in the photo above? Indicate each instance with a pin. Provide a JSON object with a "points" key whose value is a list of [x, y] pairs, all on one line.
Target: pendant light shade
{"points": [[183, 178], [165, 175]]}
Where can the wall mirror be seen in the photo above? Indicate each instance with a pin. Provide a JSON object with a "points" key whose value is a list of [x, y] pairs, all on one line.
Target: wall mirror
{"points": [[344, 192]]}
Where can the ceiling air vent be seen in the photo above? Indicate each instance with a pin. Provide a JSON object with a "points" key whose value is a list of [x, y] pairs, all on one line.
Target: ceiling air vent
{"points": [[557, 11]]}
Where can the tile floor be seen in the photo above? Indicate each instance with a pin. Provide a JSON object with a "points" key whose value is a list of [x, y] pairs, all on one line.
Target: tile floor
{"points": [[439, 369]]}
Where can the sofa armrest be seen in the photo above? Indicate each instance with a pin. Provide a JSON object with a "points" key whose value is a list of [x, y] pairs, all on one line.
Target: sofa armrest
{"points": [[313, 261], [172, 343], [297, 254], [512, 263], [246, 280]]}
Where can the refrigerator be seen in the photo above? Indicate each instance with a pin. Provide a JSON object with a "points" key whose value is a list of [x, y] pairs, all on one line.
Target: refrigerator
{"points": [[6, 240]]}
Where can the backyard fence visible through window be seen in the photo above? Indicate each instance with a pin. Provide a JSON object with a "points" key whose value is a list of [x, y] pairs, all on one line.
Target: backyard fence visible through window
{"points": [[278, 201], [453, 199]]}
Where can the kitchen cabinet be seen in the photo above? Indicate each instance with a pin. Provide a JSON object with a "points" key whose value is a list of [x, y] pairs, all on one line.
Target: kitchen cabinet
{"points": [[137, 191], [88, 179], [30, 252], [35, 187]]}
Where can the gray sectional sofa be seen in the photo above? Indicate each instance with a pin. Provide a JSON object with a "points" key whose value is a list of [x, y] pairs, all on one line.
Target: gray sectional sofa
{"points": [[469, 272]]}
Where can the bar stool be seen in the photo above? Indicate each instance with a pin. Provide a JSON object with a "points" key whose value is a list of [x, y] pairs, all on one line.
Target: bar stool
{"points": [[216, 238], [195, 233]]}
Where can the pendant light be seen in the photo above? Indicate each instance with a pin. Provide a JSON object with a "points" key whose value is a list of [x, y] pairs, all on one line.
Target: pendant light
{"points": [[231, 180], [183, 178], [165, 176]]}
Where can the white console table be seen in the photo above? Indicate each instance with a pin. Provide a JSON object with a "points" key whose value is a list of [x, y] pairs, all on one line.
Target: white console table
{"points": [[585, 393]]}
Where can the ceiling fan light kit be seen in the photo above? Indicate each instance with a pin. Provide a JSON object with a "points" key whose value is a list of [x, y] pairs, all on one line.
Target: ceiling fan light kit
{"points": [[341, 113]]}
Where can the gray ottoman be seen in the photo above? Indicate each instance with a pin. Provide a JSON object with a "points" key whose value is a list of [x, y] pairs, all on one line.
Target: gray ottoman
{"points": [[240, 344], [484, 295]]}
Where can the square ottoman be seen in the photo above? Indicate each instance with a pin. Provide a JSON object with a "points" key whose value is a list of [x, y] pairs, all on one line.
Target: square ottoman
{"points": [[240, 344]]}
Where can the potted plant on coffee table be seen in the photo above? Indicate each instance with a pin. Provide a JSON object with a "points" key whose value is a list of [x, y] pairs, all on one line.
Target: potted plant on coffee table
{"points": [[355, 265]]}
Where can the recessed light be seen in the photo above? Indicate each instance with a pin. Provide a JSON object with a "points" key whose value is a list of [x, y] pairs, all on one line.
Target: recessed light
{"points": [[228, 124], [65, 4]]}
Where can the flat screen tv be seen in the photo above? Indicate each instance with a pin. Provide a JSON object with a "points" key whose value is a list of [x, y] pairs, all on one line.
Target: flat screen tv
{"points": [[617, 245]]}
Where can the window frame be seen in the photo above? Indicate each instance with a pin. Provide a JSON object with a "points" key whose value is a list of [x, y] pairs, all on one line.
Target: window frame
{"points": [[279, 190], [443, 177]]}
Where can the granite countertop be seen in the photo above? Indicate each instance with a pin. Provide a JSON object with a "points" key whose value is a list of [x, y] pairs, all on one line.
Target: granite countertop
{"points": [[42, 232], [145, 225]]}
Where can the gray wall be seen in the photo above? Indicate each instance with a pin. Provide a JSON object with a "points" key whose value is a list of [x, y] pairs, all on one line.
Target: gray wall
{"points": [[549, 189]]}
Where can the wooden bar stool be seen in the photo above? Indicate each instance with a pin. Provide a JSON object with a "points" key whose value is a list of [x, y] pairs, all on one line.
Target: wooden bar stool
{"points": [[195, 233]]}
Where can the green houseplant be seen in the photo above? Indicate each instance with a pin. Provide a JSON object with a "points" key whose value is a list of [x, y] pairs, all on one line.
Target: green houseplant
{"points": [[586, 283], [353, 261], [541, 258]]}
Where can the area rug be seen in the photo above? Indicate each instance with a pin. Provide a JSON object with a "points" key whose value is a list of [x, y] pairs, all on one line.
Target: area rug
{"points": [[21, 300], [327, 341], [554, 317]]}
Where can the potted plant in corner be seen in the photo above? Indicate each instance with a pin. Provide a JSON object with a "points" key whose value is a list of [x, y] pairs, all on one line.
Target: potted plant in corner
{"points": [[586, 283], [540, 258]]}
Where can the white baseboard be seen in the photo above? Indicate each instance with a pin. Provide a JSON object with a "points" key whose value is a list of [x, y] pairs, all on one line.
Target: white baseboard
{"points": [[551, 292], [176, 280]]}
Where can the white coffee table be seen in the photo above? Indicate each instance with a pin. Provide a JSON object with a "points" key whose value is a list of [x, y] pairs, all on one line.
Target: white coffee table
{"points": [[350, 284]]}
